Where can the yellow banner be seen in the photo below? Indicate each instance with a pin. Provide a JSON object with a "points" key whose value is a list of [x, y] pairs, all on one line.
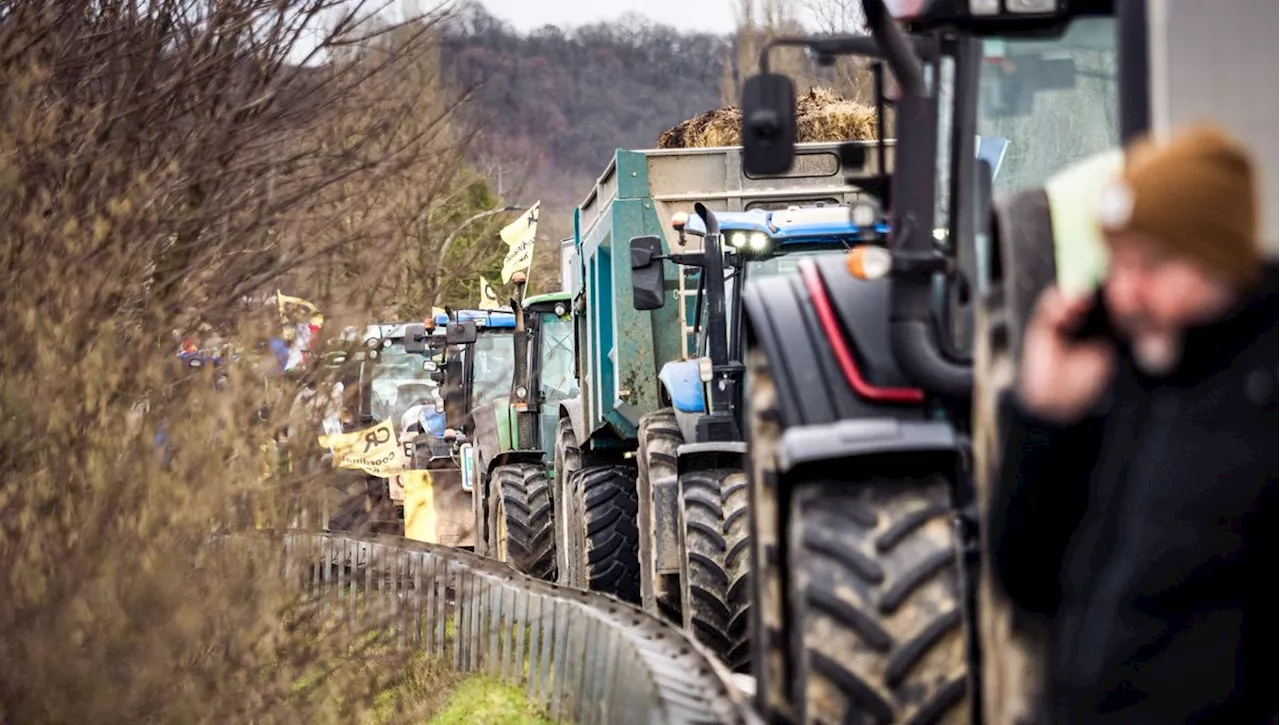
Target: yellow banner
{"points": [[519, 236], [283, 302], [488, 298], [419, 506], [372, 450]]}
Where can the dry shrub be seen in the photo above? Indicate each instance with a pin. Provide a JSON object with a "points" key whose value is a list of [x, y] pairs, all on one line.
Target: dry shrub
{"points": [[159, 161], [820, 116]]}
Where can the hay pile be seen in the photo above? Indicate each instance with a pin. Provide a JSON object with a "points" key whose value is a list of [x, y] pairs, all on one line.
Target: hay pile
{"points": [[820, 116]]}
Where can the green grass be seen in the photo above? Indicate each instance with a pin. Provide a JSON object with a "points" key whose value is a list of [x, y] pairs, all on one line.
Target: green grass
{"points": [[479, 699], [426, 690], [429, 690]]}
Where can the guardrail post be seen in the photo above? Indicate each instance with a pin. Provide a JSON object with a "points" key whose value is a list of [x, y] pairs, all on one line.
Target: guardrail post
{"points": [[494, 645], [550, 632], [560, 657]]}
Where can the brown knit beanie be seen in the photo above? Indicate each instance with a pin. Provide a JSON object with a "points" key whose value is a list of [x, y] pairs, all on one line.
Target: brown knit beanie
{"points": [[1196, 193]]}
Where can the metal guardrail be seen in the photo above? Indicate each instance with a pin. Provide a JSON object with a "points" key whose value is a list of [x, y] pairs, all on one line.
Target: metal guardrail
{"points": [[583, 657]]}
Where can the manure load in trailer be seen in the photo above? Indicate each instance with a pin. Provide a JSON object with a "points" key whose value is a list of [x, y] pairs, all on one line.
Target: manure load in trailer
{"points": [[821, 116]]}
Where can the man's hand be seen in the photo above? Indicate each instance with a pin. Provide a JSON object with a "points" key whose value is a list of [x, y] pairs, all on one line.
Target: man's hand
{"points": [[1061, 378]]}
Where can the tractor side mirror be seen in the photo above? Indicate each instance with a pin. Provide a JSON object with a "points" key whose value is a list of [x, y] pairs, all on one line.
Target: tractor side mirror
{"points": [[768, 124], [461, 333], [648, 281], [415, 338]]}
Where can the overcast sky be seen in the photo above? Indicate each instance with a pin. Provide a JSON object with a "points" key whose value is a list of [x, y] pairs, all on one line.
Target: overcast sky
{"points": [[708, 15]]}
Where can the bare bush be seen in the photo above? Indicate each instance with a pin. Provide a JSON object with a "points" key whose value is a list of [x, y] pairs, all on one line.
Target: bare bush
{"points": [[160, 160]]}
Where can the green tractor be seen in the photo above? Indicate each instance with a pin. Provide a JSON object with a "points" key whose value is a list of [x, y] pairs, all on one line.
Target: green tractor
{"points": [[514, 429]]}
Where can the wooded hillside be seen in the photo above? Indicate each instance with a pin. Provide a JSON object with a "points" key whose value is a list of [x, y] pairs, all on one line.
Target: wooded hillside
{"points": [[554, 104]]}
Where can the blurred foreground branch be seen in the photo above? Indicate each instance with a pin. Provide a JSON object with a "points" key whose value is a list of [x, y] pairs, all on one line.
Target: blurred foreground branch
{"points": [[160, 161]]}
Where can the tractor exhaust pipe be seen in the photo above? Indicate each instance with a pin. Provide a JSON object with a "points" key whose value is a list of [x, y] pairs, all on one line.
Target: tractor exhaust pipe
{"points": [[912, 336]]}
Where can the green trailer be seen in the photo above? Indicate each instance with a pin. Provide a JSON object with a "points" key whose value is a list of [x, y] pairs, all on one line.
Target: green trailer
{"points": [[650, 456]]}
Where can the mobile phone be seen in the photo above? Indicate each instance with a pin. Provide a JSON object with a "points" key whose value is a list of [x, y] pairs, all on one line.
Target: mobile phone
{"points": [[1096, 324]]}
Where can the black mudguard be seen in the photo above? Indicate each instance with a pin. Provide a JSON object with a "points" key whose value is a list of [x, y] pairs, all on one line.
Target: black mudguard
{"points": [[512, 457], [879, 438], [1024, 263], [811, 386]]}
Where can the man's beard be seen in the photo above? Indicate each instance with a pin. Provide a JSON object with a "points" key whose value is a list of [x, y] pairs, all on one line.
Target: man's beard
{"points": [[1156, 351], [1157, 354]]}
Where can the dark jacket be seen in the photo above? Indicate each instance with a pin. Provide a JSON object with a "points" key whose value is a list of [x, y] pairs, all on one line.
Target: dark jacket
{"points": [[1147, 535]]}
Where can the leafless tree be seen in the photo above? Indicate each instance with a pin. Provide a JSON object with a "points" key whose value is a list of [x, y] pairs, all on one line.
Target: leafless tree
{"points": [[760, 20], [160, 162]]}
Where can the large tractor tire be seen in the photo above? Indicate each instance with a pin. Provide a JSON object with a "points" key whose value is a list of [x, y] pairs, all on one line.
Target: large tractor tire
{"points": [[521, 522], [567, 458], [876, 615], [609, 558], [1013, 671], [769, 664], [659, 437], [714, 575]]}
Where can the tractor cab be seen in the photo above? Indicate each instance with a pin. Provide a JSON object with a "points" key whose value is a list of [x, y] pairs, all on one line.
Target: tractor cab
{"points": [[402, 367], [481, 356], [396, 376], [522, 368], [754, 244]]}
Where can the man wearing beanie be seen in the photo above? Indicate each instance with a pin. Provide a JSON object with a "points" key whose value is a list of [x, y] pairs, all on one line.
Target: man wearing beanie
{"points": [[1135, 514]]}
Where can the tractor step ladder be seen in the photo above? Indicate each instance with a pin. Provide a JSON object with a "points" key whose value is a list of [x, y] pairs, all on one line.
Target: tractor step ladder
{"points": [[687, 294]]}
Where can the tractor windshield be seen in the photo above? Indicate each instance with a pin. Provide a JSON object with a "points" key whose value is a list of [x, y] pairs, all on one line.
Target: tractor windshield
{"points": [[555, 338], [399, 382], [493, 368], [557, 381], [784, 262], [1055, 99]]}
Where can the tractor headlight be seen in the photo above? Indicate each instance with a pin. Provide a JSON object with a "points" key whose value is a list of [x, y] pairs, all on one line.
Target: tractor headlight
{"points": [[560, 309], [1027, 7], [521, 392], [1031, 6], [864, 213], [737, 239], [758, 241]]}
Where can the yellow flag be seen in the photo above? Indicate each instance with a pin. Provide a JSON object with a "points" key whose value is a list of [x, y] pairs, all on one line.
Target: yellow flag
{"points": [[488, 298], [519, 236], [284, 302], [372, 450], [419, 506]]}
